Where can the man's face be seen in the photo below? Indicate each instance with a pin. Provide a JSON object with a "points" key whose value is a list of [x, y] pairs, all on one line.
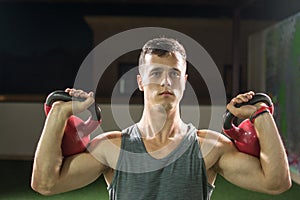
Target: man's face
{"points": [[163, 80]]}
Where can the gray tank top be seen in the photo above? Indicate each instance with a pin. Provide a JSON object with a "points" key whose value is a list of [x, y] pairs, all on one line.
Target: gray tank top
{"points": [[179, 175]]}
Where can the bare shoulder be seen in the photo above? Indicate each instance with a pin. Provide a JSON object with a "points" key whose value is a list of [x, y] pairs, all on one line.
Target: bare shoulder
{"points": [[106, 148], [112, 137], [210, 137], [213, 145]]}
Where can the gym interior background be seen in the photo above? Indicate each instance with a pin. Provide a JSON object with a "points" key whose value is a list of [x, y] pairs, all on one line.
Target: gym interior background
{"points": [[44, 42]]}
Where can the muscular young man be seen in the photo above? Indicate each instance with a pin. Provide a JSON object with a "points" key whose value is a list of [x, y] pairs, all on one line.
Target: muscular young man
{"points": [[160, 157]]}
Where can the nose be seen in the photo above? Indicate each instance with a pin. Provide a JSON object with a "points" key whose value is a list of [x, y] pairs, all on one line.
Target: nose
{"points": [[166, 81]]}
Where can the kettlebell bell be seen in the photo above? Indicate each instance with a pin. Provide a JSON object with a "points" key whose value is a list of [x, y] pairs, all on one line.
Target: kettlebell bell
{"points": [[77, 132], [244, 134]]}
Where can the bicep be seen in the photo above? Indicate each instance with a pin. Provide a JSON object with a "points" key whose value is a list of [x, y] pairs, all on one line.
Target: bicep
{"points": [[81, 169], [241, 169], [78, 171]]}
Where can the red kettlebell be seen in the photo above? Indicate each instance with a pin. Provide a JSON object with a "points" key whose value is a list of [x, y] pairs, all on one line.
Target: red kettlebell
{"points": [[77, 132], [244, 135]]}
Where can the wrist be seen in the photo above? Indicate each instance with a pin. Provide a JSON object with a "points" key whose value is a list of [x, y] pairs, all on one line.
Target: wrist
{"points": [[61, 110], [262, 110]]}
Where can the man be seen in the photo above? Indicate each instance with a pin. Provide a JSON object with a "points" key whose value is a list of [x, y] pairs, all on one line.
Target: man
{"points": [[160, 157]]}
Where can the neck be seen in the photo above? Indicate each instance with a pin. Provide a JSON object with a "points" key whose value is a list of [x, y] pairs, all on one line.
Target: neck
{"points": [[161, 124]]}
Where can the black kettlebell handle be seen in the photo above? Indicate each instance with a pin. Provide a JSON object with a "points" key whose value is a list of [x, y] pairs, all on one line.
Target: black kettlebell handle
{"points": [[60, 95], [258, 97]]}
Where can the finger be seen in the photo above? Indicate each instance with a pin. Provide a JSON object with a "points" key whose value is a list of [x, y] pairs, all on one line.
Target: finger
{"points": [[85, 104], [231, 107], [250, 94], [80, 106], [67, 90], [78, 93], [238, 100], [244, 97], [72, 91], [91, 94], [83, 94]]}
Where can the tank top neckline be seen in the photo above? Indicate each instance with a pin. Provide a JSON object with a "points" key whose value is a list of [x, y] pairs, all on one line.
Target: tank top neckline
{"points": [[178, 148]]}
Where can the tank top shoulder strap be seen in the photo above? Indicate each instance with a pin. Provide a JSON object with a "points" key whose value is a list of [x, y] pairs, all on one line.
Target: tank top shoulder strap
{"points": [[130, 136]]}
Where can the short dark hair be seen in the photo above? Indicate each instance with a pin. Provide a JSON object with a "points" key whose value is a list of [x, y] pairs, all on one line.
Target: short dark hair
{"points": [[162, 46]]}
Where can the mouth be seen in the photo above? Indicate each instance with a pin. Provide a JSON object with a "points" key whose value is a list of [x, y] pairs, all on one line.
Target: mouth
{"points": [[166, 93]]}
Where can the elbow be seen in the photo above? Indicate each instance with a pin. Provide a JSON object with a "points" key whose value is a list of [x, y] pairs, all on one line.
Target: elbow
{"points": [[279, 190], [43, 183], [280, 186], [41, 188]]}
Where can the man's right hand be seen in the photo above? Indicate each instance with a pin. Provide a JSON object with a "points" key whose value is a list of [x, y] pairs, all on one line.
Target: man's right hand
{"points": [[75, 107]]}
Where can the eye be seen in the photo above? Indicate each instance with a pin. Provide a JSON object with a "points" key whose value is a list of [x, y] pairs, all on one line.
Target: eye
{"points": [[155, 74], [174, 74]]}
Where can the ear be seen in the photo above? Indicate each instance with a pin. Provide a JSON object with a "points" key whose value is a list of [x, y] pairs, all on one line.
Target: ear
{"points": [[140, 82], [185, 79]]}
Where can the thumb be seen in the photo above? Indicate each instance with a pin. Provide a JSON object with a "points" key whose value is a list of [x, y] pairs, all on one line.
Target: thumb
{"points": [[80, 106]]}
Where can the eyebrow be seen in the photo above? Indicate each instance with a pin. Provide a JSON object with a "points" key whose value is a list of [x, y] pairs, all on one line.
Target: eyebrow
{"points": [[175, 69], [156, 69]]}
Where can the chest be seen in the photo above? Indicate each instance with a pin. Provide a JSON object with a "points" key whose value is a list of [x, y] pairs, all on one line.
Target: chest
{"points": [[160, 150], [185, 174]]}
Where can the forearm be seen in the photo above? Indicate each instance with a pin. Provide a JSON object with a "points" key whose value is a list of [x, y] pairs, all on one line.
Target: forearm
{"points": [[273, 157], [48, 158]]}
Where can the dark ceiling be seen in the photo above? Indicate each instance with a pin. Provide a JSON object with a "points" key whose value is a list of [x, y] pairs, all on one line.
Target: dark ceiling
{"points": [[248, 9], [37, 33]]}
